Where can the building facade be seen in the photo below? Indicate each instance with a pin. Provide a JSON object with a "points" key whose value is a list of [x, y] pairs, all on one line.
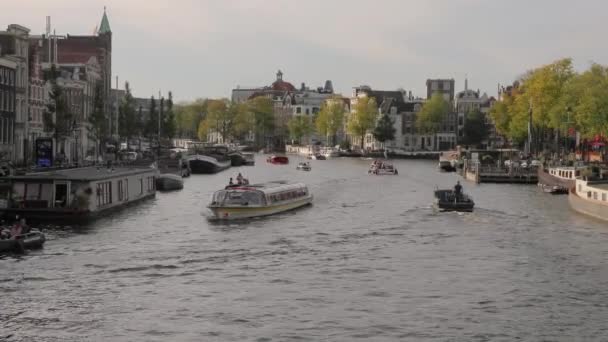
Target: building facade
{"points": [[8, 100], [15, 45], [445, 87]]}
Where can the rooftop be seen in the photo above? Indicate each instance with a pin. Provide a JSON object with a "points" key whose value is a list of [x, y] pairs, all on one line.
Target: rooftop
{"points": [[83, 173]]}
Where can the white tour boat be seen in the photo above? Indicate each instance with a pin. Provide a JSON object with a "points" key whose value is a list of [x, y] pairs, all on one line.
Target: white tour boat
{"points": [[303, 166], [246, 201]]}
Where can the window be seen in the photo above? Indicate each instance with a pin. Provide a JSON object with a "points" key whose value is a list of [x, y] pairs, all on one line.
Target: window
{"points": [[307, 111], [121, 190], [151, 184], [298, 110], [104, 193], [141, 186], [594, 195]]}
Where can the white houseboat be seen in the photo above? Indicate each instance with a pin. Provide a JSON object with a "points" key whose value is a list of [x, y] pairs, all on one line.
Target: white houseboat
{"points": [[239, 202], [590, 197], [74, 194], [559, 176]]}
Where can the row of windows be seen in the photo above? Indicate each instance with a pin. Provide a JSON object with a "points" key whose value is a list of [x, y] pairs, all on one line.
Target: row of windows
{"points": [[315, 110], [36, 93], [287, 195], [7, 76]]}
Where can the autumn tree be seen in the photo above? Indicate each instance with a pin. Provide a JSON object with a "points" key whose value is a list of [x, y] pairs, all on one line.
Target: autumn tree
{"points": [[330, 119], [300, 126], [432, 115], [263, 116], [363, 118]]}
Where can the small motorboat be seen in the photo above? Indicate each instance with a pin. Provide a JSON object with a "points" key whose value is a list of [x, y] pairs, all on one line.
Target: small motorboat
{"points": [[277, 160], [249, 158], [303, 166], [33, 240], [169, 182], [382, 168], [555, 190], [448, 200]]}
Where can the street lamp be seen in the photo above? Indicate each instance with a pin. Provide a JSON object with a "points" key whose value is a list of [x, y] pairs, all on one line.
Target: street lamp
{"points": [[566, 135]]}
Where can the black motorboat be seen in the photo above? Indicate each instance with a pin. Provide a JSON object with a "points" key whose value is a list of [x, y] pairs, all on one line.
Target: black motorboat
{"points": [[33, 240], [449, 200]]}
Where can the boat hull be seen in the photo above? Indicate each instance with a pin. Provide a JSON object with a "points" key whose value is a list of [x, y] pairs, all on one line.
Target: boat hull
{"points": [[587, 207], [33, 240], [236, 213], [169, 182], [208, 167], [446, 200]]}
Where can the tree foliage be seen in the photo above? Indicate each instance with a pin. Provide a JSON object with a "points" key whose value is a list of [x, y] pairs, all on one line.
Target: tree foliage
{"points": [[300, 126], [432, 114], [330, 119], [57, 117], [127, 116], [168, 126], [263, 116], [151, 124], [98, 127], [384, 129], [475, 128], [188, 117], [363, 118]]}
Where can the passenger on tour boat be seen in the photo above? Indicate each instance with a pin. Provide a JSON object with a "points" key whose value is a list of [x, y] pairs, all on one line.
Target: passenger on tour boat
{"points": [[230, 182], [239, 179]]}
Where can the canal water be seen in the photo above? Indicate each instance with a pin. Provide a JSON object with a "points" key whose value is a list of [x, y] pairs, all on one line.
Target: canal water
{"points": [[369, 261]]}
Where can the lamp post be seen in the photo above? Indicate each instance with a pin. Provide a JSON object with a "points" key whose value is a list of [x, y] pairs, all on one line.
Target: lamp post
{"points": [[566, 135]]}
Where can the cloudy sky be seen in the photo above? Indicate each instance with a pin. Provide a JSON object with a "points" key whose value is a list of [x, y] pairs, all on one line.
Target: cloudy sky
{"points": [[204, 48]]}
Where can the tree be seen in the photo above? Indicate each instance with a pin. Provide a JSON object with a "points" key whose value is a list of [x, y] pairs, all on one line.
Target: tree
{"points": [[220, 119], [363, 119], [475, 129], [188, 117], [127, 117], [57, 118], [384, 129], [151, 125], [244, 121], [263, 115], [169, 124], [330, 119], [98, 122], [300, 126], [432, 114], [203, 130]]}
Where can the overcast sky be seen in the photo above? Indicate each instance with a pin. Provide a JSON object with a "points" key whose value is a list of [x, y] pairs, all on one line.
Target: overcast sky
{"points": [[204, 48]]}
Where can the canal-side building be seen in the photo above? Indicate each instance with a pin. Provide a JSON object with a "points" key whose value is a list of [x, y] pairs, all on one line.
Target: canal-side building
{"points": [[14, 45], [38, 97], [442, 86], [8, 68]]}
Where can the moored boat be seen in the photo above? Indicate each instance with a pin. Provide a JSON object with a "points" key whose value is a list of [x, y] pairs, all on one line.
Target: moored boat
{"points": [[247, 201], [382, 168], [74, 194], [449, 200], [330, 153], [277, 160], [249, 158], [446, 166], [590, 197], [200, 163], [303, 166], [169, 182], [560, 176]]}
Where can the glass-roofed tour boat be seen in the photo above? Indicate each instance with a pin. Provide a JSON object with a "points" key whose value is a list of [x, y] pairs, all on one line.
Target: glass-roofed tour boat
{"points": [[246, 201]]}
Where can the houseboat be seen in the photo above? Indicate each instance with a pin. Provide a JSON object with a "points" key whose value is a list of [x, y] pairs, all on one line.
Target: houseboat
{"points": [[559, 177], [590, 197], [330, 152], [74, 194], [280, 160], [239, 202], [206, 158]]}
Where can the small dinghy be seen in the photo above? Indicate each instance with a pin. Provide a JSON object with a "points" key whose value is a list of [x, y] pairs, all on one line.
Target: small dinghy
{"points": [[555, 190], [33, 240], [169, 182], [449, 200], [303, 167]]}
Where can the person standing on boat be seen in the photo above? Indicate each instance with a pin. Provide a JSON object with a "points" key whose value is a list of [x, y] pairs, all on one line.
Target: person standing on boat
{"points": [[230, 182], [239, 179], [458, 189]]}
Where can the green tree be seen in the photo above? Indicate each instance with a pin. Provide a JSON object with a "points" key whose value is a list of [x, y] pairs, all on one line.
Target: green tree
{"points": [[330, 119], [169, 123], [57, 118], [98, 122], [363, 119], [203, 130], [263, 114], [384, 129], [151, 125], [127, 117], [188, 117], [300, 126], [244, 121], [220, 118], [432, 115], [475, 129]]}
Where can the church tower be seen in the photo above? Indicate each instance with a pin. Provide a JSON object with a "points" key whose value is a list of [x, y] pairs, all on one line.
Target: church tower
{"points": [[104, 38]]}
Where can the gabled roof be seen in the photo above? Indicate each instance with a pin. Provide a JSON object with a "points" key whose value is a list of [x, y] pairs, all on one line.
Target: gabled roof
{"points": [[104, 27]]}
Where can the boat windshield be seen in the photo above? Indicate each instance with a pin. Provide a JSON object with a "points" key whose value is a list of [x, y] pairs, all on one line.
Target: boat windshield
{"points": [[238, 198]]}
